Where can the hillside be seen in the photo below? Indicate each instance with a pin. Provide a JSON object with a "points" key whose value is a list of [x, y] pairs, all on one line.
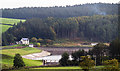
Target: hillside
{"points": [[93, 28], [6, 23], [61, 12]]}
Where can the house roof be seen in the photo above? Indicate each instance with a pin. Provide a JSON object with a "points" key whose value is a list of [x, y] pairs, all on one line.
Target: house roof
{"points": [[25, 39]]}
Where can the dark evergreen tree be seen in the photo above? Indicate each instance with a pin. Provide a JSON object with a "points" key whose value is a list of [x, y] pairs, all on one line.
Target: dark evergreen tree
{"points": [[18, 61], [64, 60], [114, 49], [76, 56]]}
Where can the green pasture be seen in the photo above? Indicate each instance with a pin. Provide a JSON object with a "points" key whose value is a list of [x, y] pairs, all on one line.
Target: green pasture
{"points": [[8, 56], [4, 27], [16, 45], [8, 21]]}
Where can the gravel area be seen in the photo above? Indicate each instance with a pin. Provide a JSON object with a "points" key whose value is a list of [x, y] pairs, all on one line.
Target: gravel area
{"points": [[37, 55]]}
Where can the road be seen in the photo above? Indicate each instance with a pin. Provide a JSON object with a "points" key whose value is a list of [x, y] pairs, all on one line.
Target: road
{"points": [[61, 50]]}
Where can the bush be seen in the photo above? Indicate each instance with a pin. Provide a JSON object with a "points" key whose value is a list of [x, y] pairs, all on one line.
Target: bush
{"points": [[18, 61], [111, 65], [86, 63], [40, 40], [34, 39], [38, 44], [47, 42]]}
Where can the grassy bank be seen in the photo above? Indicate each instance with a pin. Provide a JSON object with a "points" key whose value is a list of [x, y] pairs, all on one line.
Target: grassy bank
{"points": [[72, 68], [8, 56], [16, 45], [55, 70], [67, 68]]}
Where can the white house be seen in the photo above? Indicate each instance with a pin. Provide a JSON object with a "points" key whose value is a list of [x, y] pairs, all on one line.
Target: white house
{"points": [[24, 41]]}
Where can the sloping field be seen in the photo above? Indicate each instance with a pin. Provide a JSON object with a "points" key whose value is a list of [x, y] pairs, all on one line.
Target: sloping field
{"points": [[8, 56], [10, 20], [6, 23]]}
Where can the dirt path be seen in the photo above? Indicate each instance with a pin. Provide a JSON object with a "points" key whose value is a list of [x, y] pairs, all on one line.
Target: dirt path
{"points": [[36, 55]]}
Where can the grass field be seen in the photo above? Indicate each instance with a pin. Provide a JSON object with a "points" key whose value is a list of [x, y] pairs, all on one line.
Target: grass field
{"points": [[8, 56], [8, 21], [17, 45], [54, 70], [74, 67], [71, 68], [69, 43], [5, 27]]}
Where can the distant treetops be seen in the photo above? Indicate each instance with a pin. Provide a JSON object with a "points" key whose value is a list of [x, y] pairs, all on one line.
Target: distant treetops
{"points": [[61, 12]]}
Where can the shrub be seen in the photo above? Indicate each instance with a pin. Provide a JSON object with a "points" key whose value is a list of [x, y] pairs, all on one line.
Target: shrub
{"points": [[111, 65], [18, 61], [38, 44], [34, 39], [86, 63], [40, 40]]}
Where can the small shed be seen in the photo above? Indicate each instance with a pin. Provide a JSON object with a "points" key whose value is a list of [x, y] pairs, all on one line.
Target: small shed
{"points": [[93, 44], [30, 45]]}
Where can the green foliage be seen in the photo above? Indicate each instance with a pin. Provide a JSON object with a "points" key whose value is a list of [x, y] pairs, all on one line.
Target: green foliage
{"points": [[40, 40], [18, 61], [87, 27], [64, 60], [111, 65], [99, 50], [115, 48], [87, 63], [77, 56], [34, 39], [38, 44]]}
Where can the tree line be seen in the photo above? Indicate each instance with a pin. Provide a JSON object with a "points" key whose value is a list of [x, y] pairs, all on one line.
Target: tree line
{"points": [[61, 12], [93, 28]]}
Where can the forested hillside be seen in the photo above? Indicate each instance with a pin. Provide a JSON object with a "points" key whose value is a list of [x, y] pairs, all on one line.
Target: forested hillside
{"points": [[94, 28], [61, 12]]}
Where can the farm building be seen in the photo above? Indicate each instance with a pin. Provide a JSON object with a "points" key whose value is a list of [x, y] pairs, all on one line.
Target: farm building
{"points": [[93, 44]]}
